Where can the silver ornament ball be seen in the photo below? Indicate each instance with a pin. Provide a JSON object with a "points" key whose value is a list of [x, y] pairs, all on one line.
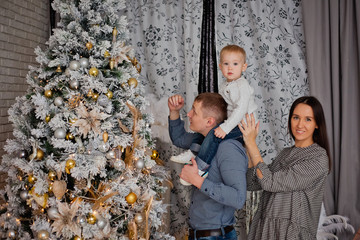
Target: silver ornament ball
{"points": [[81, 220], [119, 165], [140, 164], [43, 235], [67, 72], [24, 195], [101, 223], [58, 101], [138, 218], [103, 147], [60, 133], [84, 62], [74, 65], [23, 154], [110, 154], [74, 84], [103, 100], [52, 213]]}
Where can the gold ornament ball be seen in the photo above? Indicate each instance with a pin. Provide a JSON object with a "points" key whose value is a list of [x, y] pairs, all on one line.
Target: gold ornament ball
{"points": [[32, 179], [48, 93], [52, 175], [95, 96], [39, 154], [43, 235], [106, 54], [93, 71], [91, 219], [51, 186], [47, 118], [133, 82], [77, 238], [154, 155], [131, 198], [72, 120], [69, 136], [70, 163], [109, 94], [89, 45]]}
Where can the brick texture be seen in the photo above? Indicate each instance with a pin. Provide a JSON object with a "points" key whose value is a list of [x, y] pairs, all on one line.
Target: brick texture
{"points": [[24, 24]]}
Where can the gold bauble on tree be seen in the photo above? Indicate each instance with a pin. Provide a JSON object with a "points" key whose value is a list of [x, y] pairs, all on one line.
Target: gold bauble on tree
{"points": [[154, 155], [133, 82], [72, 120], [109, 94], [106, 54], [47, 118], [89, 45], [112, 63], [69, 136], [95, 96], [32, 179], [93, 71], [48, 93], [90, 93], [50, 189], [70, 164], [52, 175], [39, 154], [77, 238], [91, 219], [131, 198]]}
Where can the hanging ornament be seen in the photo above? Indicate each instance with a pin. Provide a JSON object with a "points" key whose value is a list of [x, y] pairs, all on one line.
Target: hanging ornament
{"points": [[58, 101], [133, 82], [74, 84], [84, 62], [154, 155], [109, 94], [59, 188], [74, 65], [89, 45], [101, 223], [52, 175], [75, 100], [43, 235], [39, 199], [69, 136], [47, 118], [67, 72], [24, 194], [140, 164], [72, 120], [131, 198], [52, 213], [70, 164], [112, 63], [58, 69], [11, 234], [95, 96], [110, 154], [93, 71], [60, 133], [103, 100], [90, 93], [114, 33], [105, 137], [78, 238], [103, 147], [51, 187], [23, 154], [48, 93], [39, 154], [81, 220], [91, 219], [138, 218], [106, 54], [119, 165]]}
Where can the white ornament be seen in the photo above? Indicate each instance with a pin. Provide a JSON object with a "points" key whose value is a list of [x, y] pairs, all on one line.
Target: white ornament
{"points": [[81, 220], [74, 65], [101, 223], [24, 195], [43, 235], [138, 218], [110, 154], [67, 72], [58, 101], [140, 164], [11, 234], [84, 62], [53, 213], [74, 84], [60, 133], [103, 100], [103, 147], [119, 165]]}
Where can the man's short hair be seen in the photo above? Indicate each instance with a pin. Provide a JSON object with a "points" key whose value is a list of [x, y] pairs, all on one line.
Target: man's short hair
{"points": [[213, 105]]}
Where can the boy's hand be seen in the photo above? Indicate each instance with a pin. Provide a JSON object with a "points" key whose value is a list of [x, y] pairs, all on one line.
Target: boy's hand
{"points": [[175, 103], [219, 133]]}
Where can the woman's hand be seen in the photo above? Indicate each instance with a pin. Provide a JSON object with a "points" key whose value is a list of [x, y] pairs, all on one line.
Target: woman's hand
{"points": [[249, 129]]}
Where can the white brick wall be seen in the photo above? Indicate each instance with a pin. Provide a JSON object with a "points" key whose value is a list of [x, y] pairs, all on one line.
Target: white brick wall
{"points": [[24, 24]]}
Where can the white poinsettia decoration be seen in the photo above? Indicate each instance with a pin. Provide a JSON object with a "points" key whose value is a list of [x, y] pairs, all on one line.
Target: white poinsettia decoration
{"points": [[65, 219]]}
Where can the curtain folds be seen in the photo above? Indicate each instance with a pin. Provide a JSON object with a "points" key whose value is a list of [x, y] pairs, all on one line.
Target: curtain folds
{"points": [[208, 81], [332, 29]]}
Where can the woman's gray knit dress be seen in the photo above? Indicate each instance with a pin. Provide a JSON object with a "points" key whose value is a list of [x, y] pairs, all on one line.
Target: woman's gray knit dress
{"points": [[293, 187]]}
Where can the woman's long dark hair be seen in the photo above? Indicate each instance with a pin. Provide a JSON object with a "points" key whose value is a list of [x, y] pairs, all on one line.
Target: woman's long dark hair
{"points": [[320, 134]]}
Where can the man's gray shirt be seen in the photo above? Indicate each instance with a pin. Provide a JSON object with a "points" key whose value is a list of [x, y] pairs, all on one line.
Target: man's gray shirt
{"points": [[224, 190]]}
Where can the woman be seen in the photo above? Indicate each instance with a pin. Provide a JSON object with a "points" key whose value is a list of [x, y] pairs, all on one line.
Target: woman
{"points": [[293, 184]]}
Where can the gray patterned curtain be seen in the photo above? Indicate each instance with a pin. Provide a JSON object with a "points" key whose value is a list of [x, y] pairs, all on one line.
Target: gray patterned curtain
{"points": [[208, 81]]}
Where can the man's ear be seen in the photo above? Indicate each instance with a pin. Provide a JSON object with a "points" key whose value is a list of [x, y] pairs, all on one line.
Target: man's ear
{"points": [[211, 122]]}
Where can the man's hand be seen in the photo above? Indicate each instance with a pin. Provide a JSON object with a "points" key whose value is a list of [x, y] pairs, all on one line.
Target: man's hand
{"points": [[190, 173], [175, 103], [219, 133]]}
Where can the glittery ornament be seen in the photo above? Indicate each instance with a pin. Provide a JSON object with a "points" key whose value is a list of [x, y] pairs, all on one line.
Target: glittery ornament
{"points": [[119, 164], [91, 219], [106, 54], [109, 94], [74, 65], [31, 179], [39, 154], [138, 218], [103, 100], [58, 101], [43, 235], [133, 82], [93, 71], [131, 198], [48, 93], [103, 147], [110, 154], [89, 45], [52, 175]]}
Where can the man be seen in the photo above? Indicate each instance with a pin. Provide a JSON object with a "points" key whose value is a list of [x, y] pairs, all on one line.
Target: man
{"points": [[215, 198]]}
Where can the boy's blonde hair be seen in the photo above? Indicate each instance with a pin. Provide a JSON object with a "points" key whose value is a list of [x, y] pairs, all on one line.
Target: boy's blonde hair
{"points": [[233, 48]]}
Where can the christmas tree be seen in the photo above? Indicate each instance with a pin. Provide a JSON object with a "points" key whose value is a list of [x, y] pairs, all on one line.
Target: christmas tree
{"points": [[82, 164]]}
